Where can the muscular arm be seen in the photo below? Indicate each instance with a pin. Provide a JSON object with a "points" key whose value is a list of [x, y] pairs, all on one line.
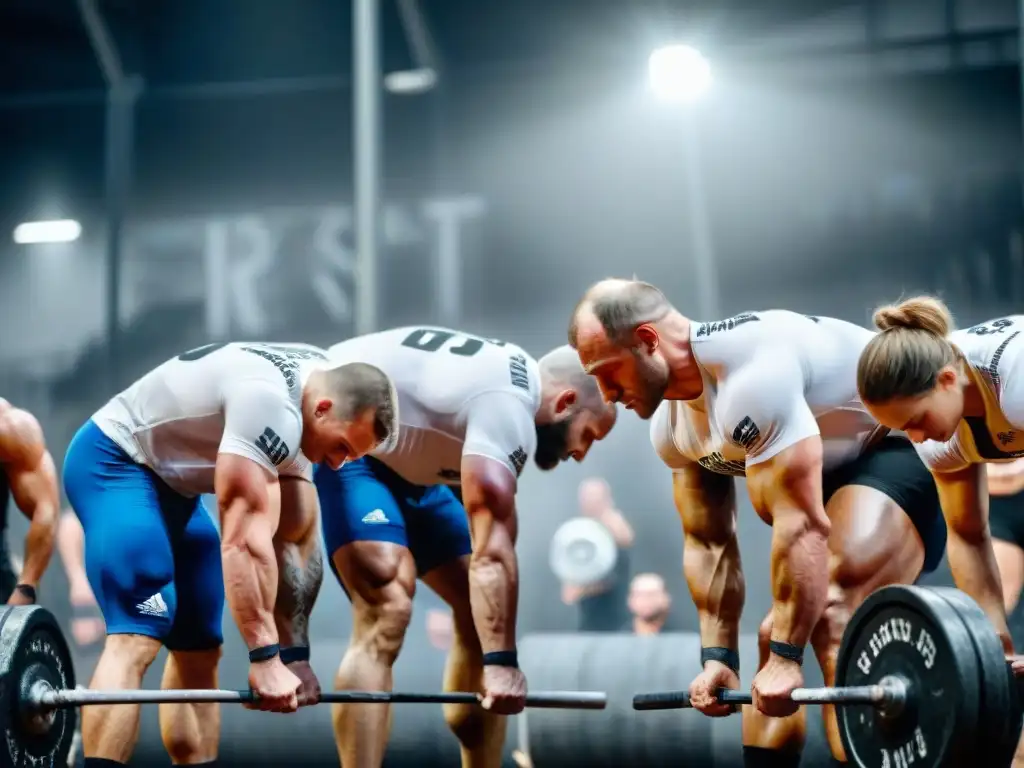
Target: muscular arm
{"points": [[249, 500], [964, 498], [33, 481], [300, 563], [706, 503], [488, 492], [786, 489]]}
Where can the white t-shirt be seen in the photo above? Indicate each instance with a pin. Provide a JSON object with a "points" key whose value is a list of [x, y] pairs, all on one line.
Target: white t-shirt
{"points": [[239, 398], [458, 394], [995, 357], [771, 379]]}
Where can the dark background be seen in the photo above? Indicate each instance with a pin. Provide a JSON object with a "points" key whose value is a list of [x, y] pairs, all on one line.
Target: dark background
{"points": [[851, 153]]}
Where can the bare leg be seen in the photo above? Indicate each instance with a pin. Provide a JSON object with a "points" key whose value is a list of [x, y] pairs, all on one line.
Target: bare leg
{"points": [[481, 734], [191, 732], [1010, 559], [873, 544], [110, 732], [381, 579]]}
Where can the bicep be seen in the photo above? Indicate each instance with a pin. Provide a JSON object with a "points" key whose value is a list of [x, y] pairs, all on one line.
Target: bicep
{"points": [[706, 503], [791, 481], [488, 494], [244, 488], [500, 427], [29, 466], [963, 495]]}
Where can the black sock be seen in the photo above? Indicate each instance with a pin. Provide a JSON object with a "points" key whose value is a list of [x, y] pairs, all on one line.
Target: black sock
{"points": [[758, 757], [837, 763], [212, 764], [101, 762]]}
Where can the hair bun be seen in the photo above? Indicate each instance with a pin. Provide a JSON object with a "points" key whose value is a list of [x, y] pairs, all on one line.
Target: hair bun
{"points": [[922, 313]]}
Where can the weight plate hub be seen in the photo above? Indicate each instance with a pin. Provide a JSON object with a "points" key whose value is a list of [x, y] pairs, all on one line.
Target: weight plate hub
{"points": [[583, 552], [33, 648], [913, 633]]}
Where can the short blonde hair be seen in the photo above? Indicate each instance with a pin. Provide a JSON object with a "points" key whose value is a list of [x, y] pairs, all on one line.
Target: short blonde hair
{"points": [[904, 360]]}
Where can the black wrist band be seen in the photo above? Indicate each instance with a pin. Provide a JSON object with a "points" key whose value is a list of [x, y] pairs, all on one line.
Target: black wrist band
{"points": [[27, 590], [726, 656], [501, 659], [264, 652], [787, 651], [295, 653]]}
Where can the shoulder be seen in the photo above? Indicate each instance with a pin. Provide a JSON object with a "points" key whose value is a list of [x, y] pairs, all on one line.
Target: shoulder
{"points": [[21, 436]]}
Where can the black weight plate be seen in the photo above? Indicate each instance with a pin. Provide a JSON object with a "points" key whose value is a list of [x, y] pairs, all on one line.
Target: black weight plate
{"points": [[913, 633], [32, 646], [998, 728]]}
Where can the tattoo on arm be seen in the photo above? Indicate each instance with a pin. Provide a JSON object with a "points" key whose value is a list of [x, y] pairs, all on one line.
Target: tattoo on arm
{"points": [[300, 578]]}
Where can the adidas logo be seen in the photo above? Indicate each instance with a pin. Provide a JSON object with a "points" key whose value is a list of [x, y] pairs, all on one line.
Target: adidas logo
{"points": [[377, 516], [153, 606]]}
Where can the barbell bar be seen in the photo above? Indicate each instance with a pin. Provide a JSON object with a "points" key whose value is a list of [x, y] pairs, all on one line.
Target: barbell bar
{"points": [[42, 697], [891, 692]]}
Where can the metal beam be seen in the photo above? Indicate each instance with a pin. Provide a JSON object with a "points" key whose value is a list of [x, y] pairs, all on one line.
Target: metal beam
{"points": [[417, 32], [120, 145], [102, 42], [367, 129]]}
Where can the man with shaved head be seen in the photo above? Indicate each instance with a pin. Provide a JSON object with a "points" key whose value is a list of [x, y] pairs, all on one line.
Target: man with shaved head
{"points": [[471, 412], [771, 396]]}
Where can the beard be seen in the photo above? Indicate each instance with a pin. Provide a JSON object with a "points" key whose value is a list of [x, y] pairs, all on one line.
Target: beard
{"points": [[652, 376], [552, 443]]}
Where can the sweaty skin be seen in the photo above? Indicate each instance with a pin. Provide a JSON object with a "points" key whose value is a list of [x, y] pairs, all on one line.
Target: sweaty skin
{"points": [[33, 481]]}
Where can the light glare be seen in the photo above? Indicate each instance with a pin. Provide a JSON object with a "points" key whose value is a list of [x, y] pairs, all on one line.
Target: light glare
{"points": [[59, 231], [678, 73]]}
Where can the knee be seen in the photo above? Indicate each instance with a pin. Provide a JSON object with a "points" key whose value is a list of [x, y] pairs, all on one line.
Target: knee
{"points": [[380, 628], [467, 723], [195, 669], [133, 652]]}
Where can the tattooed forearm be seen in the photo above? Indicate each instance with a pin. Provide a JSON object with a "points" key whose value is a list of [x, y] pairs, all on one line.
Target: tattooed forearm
{"points": [[301, 573]]}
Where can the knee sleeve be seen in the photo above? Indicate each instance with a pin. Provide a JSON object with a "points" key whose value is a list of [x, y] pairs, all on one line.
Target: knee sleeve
{"points": [[758, 757]]}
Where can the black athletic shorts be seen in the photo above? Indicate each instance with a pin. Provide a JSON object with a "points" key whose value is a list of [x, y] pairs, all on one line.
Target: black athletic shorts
{"points": [[1006, 518], [893, 467]]}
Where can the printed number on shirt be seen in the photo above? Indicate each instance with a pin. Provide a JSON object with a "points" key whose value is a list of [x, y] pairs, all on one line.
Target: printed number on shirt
{"points": [[462, 344], [996, 326]]}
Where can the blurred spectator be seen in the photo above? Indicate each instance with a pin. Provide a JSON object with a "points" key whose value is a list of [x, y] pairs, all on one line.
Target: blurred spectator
{"points": [[87, 627], [649, 605], [439, 628], [602, 605]]}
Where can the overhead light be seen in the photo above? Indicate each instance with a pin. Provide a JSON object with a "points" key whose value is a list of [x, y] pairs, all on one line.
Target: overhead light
{"points": [[409, 82], [58, 231], [678, 73]]}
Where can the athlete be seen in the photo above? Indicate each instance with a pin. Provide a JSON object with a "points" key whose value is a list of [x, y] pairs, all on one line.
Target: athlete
{"points": [[29, 477], [772, 396], [244, 421], [960, 397], [472, 412]]}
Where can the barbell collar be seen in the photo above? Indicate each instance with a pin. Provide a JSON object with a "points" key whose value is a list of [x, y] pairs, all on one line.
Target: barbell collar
{"points": [[42, 697]]}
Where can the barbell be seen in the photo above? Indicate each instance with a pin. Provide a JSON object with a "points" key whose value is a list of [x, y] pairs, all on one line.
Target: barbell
{"points": [[38, 696], [921, 680]]}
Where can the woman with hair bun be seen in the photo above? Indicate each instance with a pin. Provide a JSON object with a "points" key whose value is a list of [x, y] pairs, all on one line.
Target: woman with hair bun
{"points": [[959, 395]]}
